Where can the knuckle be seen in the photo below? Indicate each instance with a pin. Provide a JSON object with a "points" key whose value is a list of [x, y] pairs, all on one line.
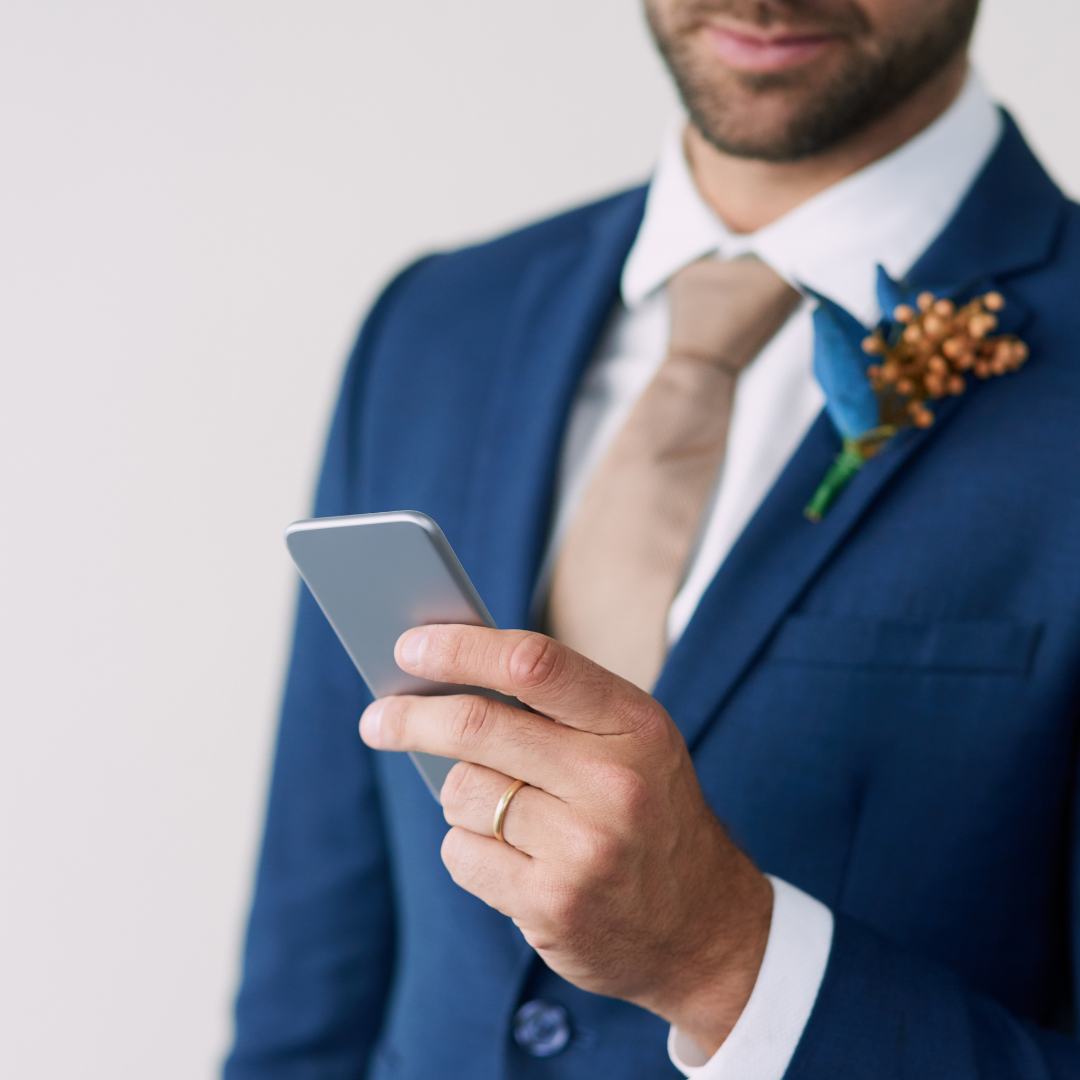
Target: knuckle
{"points": [[640, 715], [633, 792], [534, 661], [631, 714], [455, 651], [565, 905], [596, 849], [471, 719], [626, 788], [454, 792]]}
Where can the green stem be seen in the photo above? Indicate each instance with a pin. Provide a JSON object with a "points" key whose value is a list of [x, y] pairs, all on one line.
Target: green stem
{"points": [[846, 464]]}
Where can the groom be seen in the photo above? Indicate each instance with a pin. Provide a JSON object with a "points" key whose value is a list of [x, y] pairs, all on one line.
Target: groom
{"points": [[810, 807]]}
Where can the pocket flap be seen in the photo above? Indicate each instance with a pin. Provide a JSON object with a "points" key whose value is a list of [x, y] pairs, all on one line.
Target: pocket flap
{"points": [[951, 645]]}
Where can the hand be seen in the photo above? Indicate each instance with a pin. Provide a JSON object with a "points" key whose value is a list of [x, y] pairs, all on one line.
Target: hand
{"points": [[614, 868]]}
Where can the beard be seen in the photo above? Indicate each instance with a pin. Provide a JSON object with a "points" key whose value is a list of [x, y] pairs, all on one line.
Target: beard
{"points": [[787, 115]]}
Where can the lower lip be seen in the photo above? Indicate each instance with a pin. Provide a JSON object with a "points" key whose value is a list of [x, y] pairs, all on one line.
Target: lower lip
{"points": [[759, 54]]}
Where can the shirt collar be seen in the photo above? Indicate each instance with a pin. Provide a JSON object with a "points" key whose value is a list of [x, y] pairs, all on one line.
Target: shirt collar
{"points": [[888, 212]]}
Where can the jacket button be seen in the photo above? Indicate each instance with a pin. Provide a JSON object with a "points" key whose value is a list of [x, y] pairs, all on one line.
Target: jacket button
{"points": [[541, 1028]]}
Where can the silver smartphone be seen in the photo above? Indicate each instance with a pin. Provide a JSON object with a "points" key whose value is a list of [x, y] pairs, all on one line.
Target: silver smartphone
{"points": [[376, 575]]}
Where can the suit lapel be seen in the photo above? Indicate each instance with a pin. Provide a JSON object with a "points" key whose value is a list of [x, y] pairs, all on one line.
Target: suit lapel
{"points": [[1006, 223], [563, 303]]}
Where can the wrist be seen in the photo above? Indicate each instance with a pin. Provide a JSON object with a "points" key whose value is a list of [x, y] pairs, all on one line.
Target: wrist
{"points": [[716, 978]]}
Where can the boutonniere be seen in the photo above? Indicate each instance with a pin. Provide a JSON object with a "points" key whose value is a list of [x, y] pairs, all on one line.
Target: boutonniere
{"points": [[880, 380]]}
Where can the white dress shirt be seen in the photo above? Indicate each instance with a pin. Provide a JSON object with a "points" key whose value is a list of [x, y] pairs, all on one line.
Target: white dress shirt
{"points": [[886, 213]]}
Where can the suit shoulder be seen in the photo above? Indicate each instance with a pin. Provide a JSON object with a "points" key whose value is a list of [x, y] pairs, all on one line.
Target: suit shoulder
{"points": [[549, 231], [489, 268]]}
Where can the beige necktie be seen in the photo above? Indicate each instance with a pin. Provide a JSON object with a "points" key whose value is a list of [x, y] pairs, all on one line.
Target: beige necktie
{"points": [[626, 549]]}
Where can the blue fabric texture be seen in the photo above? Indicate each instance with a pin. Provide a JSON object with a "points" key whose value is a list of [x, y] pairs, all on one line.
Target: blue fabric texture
{"points": [[882, 706], [840, 365]]}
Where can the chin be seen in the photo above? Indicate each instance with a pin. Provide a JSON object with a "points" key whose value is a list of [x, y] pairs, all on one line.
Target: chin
{"points": [[758, 116], [748, 120]]}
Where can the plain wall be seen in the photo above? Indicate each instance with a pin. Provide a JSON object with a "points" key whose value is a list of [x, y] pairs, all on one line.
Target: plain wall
{"points": [[198, 200]]}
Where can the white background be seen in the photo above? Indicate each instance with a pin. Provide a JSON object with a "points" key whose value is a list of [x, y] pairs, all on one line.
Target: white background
{"points": [[197, 200]]}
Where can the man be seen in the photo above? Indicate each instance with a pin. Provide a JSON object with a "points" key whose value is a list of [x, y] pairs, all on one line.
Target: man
{"points": [[809, 807]]}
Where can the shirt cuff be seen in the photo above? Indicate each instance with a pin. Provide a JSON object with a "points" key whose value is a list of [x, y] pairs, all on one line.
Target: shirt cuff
{"points": [[763, 1040]]}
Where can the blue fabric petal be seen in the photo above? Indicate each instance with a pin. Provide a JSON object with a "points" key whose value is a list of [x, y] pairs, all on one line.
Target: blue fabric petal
{"points": [[890, 293], [840, 367]]}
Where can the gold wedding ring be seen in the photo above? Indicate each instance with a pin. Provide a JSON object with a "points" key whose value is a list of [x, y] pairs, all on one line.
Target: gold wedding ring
{"points": [[500, 810]]}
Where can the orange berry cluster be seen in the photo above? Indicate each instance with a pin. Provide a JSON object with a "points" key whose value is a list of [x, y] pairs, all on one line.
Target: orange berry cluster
{"points": [[933, 348]]}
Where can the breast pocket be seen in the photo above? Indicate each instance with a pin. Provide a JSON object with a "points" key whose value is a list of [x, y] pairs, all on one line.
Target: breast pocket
{"points": [[1002, 646]]}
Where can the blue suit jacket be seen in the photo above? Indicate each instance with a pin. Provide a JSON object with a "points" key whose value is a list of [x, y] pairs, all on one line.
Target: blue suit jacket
{"points": [[882, 707]]}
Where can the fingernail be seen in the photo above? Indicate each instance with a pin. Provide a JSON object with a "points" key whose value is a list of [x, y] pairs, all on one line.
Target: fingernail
{"points": [[411, 647], [371, 723]]}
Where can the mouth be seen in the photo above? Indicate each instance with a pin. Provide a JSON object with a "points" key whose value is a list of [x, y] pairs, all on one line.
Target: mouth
{"points": [[748, 49]]}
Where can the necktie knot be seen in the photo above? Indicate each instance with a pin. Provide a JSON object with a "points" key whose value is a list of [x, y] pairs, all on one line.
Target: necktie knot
{"points": [[724, 311]]}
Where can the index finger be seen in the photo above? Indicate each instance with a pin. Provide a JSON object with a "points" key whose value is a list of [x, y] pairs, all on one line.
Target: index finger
{"points": [[536, 669]]}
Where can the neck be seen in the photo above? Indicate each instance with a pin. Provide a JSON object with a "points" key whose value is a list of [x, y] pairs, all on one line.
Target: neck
{"points": [[749, 194]]}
